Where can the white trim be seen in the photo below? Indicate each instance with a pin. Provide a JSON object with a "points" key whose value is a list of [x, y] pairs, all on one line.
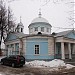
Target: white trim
{"points": [[63, 39], [43, 37], [36, 41]]}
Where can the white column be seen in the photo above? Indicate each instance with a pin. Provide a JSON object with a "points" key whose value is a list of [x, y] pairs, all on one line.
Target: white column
{"points": [[62, 50], [69, 47]]}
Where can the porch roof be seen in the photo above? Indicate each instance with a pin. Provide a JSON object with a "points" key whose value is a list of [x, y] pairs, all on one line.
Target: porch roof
{"points": [[63, 33]]}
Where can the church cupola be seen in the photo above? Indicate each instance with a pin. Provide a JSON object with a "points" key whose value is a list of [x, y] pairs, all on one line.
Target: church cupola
{"points": [[39, 24], [20, 27]]}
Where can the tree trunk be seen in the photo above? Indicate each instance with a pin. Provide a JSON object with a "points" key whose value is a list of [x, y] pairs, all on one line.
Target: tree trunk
{"points": [[0, 49], [1, 39]]}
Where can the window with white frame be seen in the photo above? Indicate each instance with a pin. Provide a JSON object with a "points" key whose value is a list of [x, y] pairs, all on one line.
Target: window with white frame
{"points": [[36, 29], [47, 29], [42, 29], [36, 49]]}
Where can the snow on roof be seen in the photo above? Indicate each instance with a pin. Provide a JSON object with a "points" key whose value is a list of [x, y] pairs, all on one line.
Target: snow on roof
{"points": [[20, 35], [62, 33]]}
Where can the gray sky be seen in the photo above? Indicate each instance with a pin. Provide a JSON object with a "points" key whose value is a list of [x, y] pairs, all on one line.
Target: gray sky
{"points": [[57, 14]]}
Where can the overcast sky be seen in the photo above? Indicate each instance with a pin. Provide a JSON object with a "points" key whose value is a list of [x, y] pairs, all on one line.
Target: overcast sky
{"points": [[57, 14]]}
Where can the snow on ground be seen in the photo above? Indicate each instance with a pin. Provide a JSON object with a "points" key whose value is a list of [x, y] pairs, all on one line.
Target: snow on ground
{"points": [[56, 63], [2, 73], [68, 66]]}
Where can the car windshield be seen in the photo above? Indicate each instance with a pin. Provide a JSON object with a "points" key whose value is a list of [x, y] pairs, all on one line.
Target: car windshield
{"points": [[15, 56], [12, 56]]}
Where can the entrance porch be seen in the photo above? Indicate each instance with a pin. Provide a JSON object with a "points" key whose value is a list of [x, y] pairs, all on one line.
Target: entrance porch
{"points": [[64, 50]]}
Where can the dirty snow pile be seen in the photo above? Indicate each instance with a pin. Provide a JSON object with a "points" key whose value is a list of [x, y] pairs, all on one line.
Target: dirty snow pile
{"points": [[54, 63]]}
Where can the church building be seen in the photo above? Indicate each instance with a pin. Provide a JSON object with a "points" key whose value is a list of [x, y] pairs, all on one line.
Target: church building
{"points": [[40, 44]]}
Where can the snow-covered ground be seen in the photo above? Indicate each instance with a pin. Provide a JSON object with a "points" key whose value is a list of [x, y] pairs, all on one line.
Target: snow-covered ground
{"points": [[47, 66], [56, 63]]}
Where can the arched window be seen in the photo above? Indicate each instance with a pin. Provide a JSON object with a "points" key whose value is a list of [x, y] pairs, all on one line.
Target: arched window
{"points": [[36, 29], [21, 29], [47, 29], [42, 29]]}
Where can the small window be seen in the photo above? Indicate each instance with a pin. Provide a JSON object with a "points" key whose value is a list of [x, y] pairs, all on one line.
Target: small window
{"points": [[36, 28], [47, 29], [42, 29], [36, 49], [17, 47], [12, 46], [21, 29], [17, 29], [7, 46], [31, 29]]}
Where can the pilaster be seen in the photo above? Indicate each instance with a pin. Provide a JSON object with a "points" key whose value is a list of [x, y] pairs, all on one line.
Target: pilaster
{"points": [[50, 46]]}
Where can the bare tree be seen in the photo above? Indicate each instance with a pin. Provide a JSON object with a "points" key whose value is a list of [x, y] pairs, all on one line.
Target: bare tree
{"points": [[6, 22]]}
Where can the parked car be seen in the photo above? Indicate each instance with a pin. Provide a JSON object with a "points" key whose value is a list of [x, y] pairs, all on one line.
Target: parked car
{"points": [[13, 60]]}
